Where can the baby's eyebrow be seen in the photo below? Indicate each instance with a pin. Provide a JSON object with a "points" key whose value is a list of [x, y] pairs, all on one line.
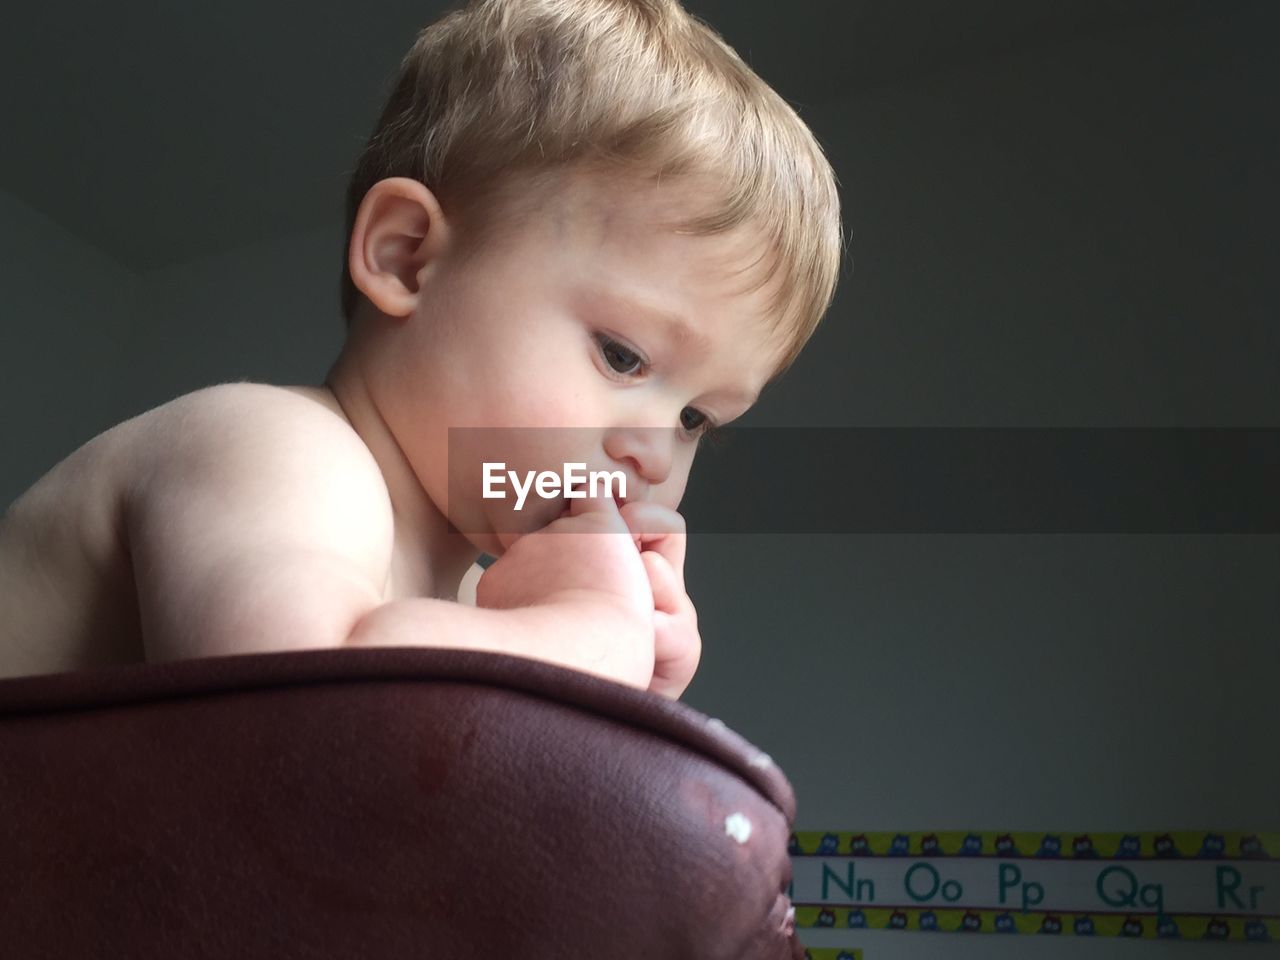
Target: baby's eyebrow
{"points": [[677, 327]]}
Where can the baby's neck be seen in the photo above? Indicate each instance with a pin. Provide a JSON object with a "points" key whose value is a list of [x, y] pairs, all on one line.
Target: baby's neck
{"points": [[429, 558]]}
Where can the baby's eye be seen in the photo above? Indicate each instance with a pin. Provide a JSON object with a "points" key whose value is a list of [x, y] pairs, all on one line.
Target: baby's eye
{"points": [[619, 358], [692, 420], [698, 426]]}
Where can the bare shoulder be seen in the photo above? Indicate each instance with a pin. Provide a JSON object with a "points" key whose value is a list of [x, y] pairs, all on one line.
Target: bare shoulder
{"points": [[195, 504], [261, 506], [292, 436], [295, 415], [235, 417], [222, 424]]}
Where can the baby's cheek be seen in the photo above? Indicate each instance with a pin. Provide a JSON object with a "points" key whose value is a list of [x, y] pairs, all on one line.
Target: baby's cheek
{"points": [[681, 467], [546, 406]]}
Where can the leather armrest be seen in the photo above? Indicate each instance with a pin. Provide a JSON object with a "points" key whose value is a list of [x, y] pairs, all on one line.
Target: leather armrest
{"points": [[382, 802]]}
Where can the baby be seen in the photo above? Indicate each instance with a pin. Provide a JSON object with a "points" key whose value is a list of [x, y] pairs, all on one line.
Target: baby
{"points": [[582, 232]]}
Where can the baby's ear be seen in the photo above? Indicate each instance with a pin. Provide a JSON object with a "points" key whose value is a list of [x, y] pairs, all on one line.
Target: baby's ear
{"points": [[399, 232]]}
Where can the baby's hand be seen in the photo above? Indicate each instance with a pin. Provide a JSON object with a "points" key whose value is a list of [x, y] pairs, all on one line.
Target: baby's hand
{"points": [[660, 534], [585, 563]]}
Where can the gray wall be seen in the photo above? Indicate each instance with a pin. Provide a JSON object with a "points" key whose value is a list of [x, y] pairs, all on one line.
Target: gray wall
{"points": [[67, 366], [1075, 236], [86, 343], [1078, 235]]}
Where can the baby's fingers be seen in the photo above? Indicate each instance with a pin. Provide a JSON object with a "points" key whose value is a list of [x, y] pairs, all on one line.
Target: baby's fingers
{"points": [[668, 591], [659, 529], [677, 651], [594, 514]]}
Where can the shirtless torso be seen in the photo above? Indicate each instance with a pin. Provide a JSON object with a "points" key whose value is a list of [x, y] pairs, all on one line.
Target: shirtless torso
{"points": [[68, 598]]}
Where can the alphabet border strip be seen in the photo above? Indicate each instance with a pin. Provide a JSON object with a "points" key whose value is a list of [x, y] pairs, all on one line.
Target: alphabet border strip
{"points": [[1221, 904]]}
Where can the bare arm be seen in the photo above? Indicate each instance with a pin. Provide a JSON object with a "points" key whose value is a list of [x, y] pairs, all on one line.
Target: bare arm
{"points": [[260, 523], [579, 636]]}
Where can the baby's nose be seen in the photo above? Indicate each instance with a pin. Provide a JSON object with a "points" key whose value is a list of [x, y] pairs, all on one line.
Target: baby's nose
{"points": [[644, 451]]}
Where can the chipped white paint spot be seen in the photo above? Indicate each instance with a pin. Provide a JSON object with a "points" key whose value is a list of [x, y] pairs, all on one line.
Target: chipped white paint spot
{"points": [[761, 760], [738, 826]]}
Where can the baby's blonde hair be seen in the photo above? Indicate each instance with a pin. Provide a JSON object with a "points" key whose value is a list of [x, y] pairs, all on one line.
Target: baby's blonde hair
{"points": [[534, 87]]}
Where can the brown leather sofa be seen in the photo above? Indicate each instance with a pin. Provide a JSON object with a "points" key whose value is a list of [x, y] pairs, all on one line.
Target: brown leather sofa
{"points": [[382, 803]]}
